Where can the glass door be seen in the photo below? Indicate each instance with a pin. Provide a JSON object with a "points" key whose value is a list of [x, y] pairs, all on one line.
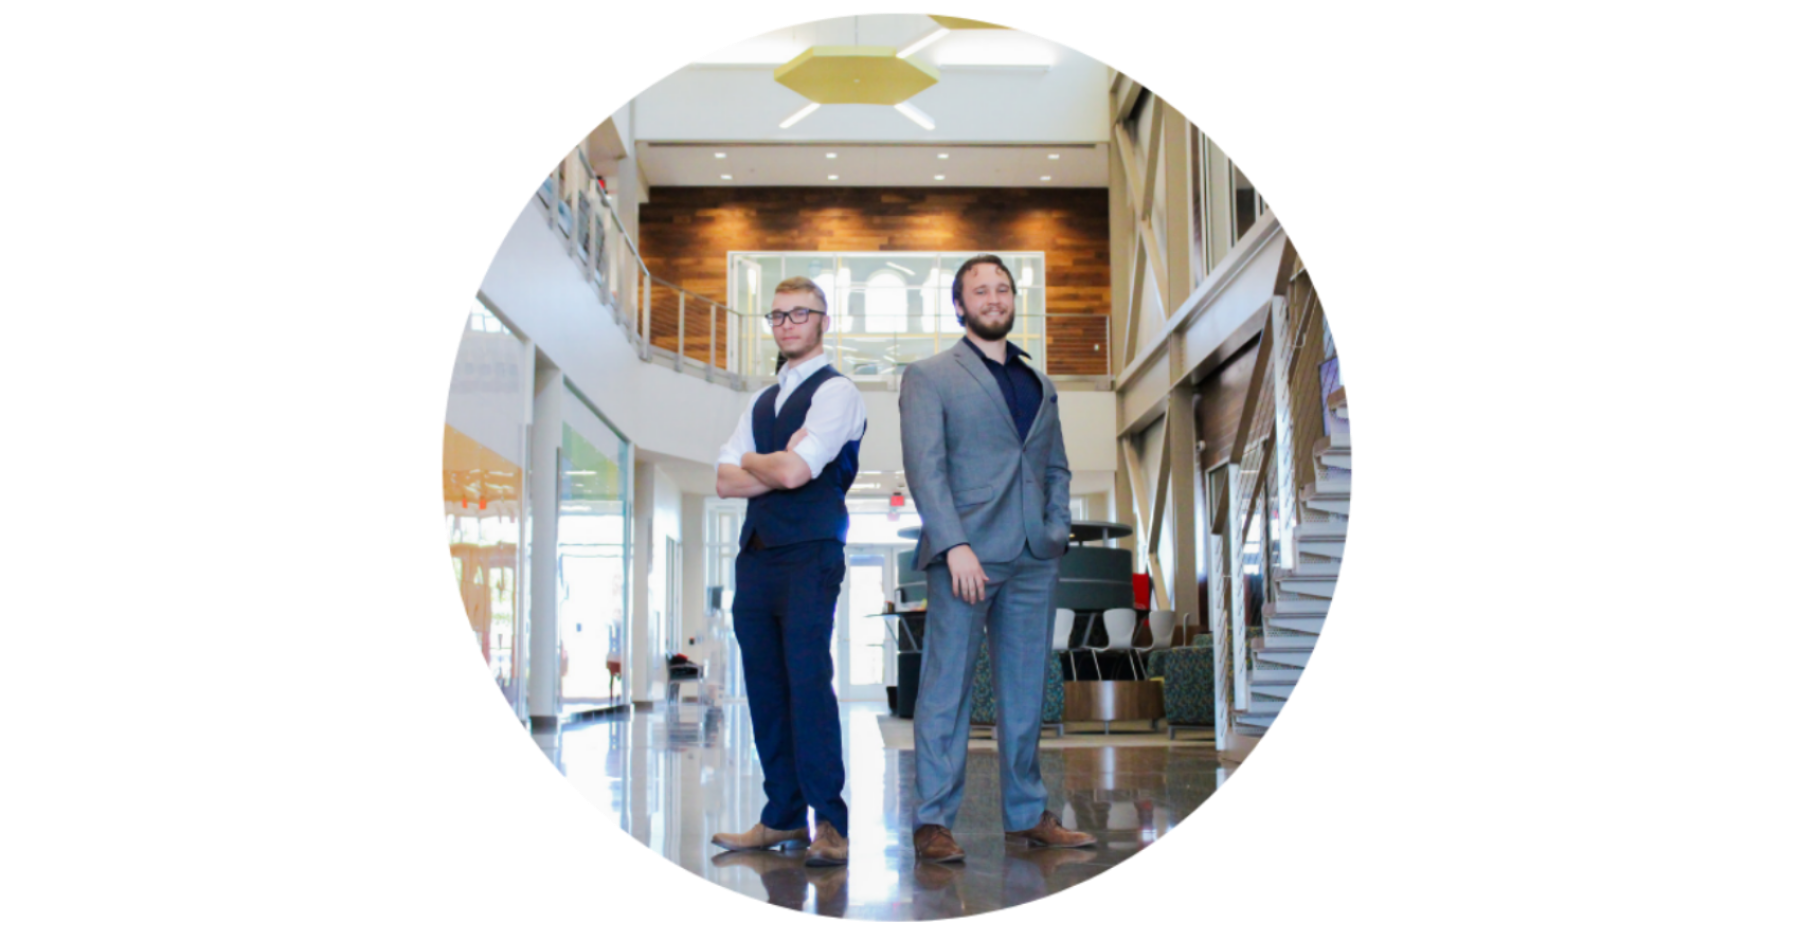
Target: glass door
{"points": [[859, 651]]}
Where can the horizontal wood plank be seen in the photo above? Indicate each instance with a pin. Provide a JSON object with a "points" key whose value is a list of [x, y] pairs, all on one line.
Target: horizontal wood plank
{"points": [[686, 233]]}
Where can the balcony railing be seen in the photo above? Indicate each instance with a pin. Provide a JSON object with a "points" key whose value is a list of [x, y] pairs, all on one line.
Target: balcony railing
{"points": [[691, 332]]}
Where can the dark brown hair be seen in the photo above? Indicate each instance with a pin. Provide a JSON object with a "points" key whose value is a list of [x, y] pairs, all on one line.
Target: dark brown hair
{"points": [[956, 282]]}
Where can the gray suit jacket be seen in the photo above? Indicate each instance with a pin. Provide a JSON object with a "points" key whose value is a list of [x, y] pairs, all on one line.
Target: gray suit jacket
{"points": [[973, 480]]}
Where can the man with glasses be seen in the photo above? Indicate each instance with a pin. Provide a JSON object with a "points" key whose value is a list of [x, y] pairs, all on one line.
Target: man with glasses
{"points": [[982, 442], [794, 455]]}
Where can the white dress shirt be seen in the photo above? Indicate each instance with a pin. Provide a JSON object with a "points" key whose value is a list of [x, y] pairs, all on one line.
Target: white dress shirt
{"points": [[837, 416]]}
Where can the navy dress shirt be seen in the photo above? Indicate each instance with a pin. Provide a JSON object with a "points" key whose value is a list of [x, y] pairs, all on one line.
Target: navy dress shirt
{"points": [[1018, 384]]}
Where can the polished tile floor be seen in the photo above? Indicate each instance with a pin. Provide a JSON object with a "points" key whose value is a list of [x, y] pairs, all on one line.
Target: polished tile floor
{"points": [[675, 775]]}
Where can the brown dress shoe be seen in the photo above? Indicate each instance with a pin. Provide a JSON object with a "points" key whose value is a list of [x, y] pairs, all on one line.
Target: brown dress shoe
{"points": [[829, 848], [934, 844], [1049, 832], [759, 837]]}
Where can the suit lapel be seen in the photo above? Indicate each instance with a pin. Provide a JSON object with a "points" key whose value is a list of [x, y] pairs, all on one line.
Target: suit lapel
{"points": [[1043, 401], [971, 361]]}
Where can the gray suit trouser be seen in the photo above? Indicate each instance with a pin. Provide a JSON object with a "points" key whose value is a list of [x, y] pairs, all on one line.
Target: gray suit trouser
{"points": [[1018, 616]]}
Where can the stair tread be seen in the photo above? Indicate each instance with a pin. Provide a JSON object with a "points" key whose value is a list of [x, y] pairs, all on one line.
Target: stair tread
{"points": [[1301, 606]]}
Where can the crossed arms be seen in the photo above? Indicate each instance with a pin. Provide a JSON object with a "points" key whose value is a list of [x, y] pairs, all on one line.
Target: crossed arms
{"points": [[757, 474]]}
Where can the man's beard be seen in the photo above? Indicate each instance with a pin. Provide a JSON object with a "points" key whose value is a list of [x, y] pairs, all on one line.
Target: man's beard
{"points": [[996, 332]]}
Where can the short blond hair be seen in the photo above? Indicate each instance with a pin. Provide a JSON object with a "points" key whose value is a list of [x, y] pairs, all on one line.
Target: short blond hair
{"points": [[798, 284]]}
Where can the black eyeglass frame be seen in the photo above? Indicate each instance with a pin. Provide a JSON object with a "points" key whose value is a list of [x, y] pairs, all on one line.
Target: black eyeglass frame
{"points": [[775, 317]]}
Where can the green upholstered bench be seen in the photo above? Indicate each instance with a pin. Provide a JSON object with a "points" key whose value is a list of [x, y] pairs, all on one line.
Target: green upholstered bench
{"points": [[983, 712], [1187, 675]]}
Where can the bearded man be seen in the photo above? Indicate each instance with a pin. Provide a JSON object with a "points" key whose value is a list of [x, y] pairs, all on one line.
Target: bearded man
{"points": [[982, 442]]}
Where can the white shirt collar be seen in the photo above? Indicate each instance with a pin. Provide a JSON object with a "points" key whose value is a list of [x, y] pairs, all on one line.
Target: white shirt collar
{"points": [[792, 375]]}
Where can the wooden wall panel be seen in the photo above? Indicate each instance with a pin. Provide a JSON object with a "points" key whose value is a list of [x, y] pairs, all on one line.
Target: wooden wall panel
{"points": [[686, 232], [1221, 405]]}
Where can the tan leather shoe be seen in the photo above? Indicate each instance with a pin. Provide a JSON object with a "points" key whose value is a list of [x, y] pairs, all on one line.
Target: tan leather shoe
{"points": [[829, 848], [1049, 832], [759, 837], [934, 844]]}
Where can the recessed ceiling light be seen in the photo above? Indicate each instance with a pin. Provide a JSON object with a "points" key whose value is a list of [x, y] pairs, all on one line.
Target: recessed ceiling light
{"points": [[938, 177], [1056, 156], [1044, 178], [720, 154], [832, 177], [831, 156], [724, 176], [943, 156]]}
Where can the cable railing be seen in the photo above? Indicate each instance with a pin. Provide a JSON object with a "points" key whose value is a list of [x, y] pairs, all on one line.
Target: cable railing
{"points": [[689, 331]]}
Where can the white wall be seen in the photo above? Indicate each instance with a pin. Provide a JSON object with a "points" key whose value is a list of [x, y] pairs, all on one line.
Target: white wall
{"points": [[536, 286], [656, 516], [693, 565], [1060, 97]]}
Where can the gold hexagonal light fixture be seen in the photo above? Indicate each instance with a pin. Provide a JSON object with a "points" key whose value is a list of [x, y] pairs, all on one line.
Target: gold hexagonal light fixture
{"points": [[957, 22], [855, 75]]}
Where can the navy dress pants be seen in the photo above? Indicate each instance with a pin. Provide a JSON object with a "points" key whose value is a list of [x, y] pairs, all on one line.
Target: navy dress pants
{"points": [[783, 612]]}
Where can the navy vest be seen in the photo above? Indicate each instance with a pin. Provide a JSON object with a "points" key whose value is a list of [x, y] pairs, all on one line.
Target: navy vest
{"points": [[806, 513]]}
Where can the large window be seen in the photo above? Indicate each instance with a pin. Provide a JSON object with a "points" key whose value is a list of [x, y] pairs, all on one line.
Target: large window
{"points": [[887, 309], [592, 552], [484, 458]]}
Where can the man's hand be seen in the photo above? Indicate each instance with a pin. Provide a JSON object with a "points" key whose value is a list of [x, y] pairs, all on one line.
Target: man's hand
{"points": [[967, 579], [794, 442]]}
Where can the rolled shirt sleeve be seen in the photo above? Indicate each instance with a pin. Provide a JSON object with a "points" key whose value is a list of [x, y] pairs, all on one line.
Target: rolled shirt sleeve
{"points": [[837, 416], [741, 442]]}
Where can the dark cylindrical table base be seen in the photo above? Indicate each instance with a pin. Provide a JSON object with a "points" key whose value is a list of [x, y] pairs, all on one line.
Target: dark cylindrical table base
{"points": [[907, 683]]}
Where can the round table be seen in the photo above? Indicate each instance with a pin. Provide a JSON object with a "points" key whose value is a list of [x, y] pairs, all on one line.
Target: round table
{"points": [[1097, 530]]}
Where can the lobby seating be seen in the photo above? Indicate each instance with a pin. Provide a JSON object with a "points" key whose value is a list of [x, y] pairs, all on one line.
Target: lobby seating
{"points": [[1187, 675], [983, 713]]}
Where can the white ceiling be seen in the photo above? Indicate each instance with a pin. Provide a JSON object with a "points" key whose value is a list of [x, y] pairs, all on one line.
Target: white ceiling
{"points": [[962, 48], [997, 86], [698, 164]]}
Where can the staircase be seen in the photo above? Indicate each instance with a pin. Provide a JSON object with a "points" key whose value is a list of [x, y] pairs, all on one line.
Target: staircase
{"points": [[1295, 616]]}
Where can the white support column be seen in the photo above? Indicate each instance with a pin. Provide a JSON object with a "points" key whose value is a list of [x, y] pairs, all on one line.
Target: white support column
{"points": [[544, 690]]}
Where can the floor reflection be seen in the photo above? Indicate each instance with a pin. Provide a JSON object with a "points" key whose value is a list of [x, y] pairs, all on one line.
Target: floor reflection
{"points": [[674, 776]]}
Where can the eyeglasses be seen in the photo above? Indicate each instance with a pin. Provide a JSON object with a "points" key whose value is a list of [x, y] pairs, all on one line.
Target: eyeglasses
{"points": [[797, 316]]}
